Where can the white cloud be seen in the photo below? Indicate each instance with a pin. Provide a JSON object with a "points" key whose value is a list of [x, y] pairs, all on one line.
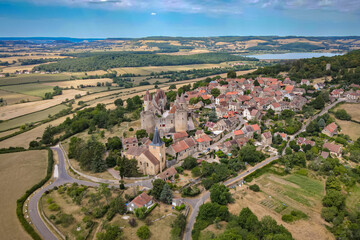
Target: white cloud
{"points": [[153, 13], [207, 6]]}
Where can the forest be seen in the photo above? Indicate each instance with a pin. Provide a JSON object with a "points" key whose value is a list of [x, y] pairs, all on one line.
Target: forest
{"points": [[107, 60], [343, 68]]}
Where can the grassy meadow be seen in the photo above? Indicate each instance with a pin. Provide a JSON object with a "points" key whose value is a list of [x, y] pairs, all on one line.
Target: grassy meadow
{"points": [[32, 89]]}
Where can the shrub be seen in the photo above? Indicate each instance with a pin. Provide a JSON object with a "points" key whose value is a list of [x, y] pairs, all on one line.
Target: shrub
{"points": [[181, 207], [54, 207], [65, 220], [179, 169], [143, 232], [99, 212], [255, 188], [132, 222]]}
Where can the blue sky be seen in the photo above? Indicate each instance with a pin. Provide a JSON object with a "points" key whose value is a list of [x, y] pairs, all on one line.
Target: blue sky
{"points": [[140, 18]]}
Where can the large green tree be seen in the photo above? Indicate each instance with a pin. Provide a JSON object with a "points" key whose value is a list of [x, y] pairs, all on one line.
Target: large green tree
{"points": [[220, 194]]}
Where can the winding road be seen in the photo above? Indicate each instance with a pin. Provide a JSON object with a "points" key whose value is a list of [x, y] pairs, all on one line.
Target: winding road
{"points": [[64, 178]]}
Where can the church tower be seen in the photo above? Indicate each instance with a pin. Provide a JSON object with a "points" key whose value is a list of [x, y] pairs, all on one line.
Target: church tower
{"points": [[157, 148]]}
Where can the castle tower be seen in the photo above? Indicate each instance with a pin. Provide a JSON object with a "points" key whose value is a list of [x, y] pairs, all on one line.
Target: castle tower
{"points": [[147, 100], [148, 121], [181, 120], [157, 148]]}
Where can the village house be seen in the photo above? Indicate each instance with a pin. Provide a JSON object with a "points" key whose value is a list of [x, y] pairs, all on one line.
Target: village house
{"points": [[180, 136], [334, 149], [182, 149], [266, 138], [143, 200], [239, 134], [204, 142], [168, 174], [305, 82], [330, 130], [129, 142], [301, 141]]}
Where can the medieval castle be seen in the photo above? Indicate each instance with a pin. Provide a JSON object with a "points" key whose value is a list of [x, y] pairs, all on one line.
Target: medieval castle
{"points": [[155, 114]]}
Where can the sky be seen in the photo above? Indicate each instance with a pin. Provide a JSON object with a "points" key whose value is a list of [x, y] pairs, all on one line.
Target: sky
{"points": [[187, 18]]}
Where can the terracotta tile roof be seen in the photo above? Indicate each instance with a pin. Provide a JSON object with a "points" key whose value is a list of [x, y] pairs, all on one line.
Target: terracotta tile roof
{"points": [[331, 127], [255, 127], [238, 132], [209, 124], [242, 141], [190, 142], [267, 135], [204, 138], [231, 93], [151, 157], [325, 155], [205, 97], [179, 146], [129, 140], [180, 135], [136, 151], [289, 88], [168, 173], [276, 105], [141, 200], [332, 147]]}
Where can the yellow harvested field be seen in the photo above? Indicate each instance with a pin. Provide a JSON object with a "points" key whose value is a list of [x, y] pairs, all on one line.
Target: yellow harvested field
{"points": [[32, 117], [12, 111], [13, 69], [6, 133], [349, 128], [77, 83], [18, 172], [23, 140], [353, 109], [12, 98]]}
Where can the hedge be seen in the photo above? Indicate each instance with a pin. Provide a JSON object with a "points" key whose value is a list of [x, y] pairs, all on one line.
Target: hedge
{"points": [[20, 202], [12, 150]]}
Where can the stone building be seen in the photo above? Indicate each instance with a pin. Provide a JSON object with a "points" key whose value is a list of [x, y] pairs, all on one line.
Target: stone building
{"points": [[155, 114], [151, 158]]}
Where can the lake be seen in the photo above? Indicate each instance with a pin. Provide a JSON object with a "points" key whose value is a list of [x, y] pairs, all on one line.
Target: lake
{"points": [[299, 55]]}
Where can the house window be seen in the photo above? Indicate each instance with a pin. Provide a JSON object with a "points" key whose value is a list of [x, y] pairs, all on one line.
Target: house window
{"points": [[140, 163], [147, 164]]}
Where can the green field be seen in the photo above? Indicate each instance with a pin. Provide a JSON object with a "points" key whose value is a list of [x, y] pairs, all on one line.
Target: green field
{"points": [[352, 200], [32, 89], [31, 118], [312, 186], [33, 78]]}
